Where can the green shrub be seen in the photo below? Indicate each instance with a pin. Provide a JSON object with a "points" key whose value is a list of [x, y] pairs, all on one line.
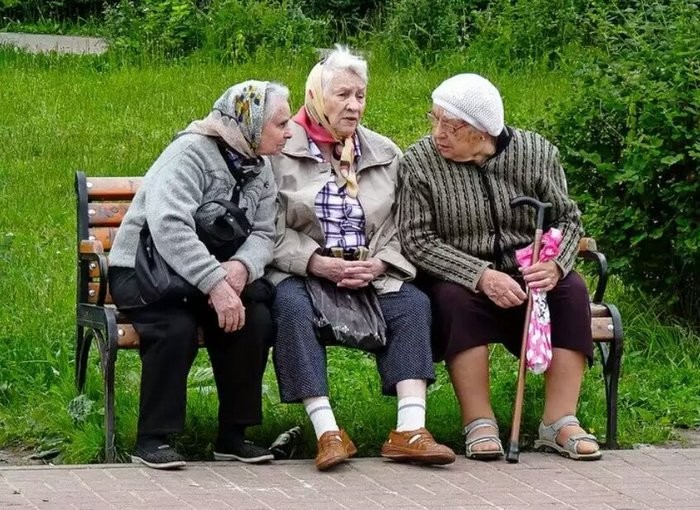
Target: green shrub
{"points": [[58, 10], [162, 27], [419, 30], [631, 137], [527, 30], [237, 29]]}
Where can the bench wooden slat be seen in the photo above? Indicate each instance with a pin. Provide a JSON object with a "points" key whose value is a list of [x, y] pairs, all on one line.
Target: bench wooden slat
{"points": [[587, 244], [602, 329], [103, 234], [128, 338], [112, 188], [93, 289], [106, 214]]}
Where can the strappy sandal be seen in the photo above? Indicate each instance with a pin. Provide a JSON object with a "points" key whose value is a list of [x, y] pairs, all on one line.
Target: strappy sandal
{"points": [[548, 439], [477, 424]]}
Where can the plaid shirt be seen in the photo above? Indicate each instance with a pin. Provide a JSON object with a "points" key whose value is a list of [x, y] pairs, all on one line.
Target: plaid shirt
{"points": [[341, 216]]}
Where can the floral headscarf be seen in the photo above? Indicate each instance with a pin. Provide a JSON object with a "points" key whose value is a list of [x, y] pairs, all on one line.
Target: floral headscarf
{"points": [[237, 117], [312, 116]]}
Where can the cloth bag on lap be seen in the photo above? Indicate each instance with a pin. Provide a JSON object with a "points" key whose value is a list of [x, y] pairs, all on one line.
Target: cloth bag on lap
{"points": [[349, 317]]}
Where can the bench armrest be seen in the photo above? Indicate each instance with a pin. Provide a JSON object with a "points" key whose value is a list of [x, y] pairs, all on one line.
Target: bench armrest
{"points": [[588, 250], [91, 253]]}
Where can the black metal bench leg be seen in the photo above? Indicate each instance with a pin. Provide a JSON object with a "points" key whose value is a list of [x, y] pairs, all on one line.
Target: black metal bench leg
{"points": [[107, 340], [612, 377], [108, 369], [82, 350]]}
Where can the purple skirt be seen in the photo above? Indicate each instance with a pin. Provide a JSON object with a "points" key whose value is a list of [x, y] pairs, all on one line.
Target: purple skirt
{"points": [[463, 319]]}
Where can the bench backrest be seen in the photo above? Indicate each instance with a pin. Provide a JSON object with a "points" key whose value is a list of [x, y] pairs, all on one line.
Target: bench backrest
{"points": [[103, 202], [101, 206]]}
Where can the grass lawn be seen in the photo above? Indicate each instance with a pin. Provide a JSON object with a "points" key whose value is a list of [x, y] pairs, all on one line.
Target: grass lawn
{"points": [[63, 114]]}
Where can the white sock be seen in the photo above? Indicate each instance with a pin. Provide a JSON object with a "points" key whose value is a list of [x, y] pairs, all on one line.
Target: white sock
{"points": [[321, 415], [411, 415]]}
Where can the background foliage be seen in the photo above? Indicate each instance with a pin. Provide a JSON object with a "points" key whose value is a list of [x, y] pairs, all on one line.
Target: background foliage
{"points": [[631, 135]]}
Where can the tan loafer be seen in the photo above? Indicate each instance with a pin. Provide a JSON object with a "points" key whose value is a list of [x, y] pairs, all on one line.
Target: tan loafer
{"points": [[416, 446], [331, 450]]}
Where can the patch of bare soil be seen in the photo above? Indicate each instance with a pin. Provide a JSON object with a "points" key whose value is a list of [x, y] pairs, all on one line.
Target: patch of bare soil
{"points": [[17, 457], [687, 438]]}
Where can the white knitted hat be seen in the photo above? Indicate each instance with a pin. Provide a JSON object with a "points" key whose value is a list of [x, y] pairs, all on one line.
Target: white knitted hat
{"points": [[473, 99]]}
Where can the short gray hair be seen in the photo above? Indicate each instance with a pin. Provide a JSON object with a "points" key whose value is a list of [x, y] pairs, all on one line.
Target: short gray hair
{"points": [[274, 94], [342, 59]]}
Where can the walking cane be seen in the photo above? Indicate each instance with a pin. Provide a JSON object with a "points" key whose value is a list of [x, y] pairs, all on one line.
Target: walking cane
{"points": [[513, 454]]}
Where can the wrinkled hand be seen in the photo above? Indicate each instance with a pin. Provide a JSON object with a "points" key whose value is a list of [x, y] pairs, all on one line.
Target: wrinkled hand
{"points": [[351, 274], [500, 288], [236, 275], [228, 306], [360, 273], [542, 275]]}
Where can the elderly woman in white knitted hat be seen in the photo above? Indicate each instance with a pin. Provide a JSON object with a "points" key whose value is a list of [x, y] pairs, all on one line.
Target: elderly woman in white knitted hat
{"points": [[217, 158], [456, 225], [336, 183]]}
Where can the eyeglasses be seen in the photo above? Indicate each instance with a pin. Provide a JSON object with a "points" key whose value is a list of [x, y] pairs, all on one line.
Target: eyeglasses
{"points": [[447, 127]]}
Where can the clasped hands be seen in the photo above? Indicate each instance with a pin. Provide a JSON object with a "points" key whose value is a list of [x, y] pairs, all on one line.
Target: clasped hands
{"points": [[350, 274], [505, 292], [225, 299]]}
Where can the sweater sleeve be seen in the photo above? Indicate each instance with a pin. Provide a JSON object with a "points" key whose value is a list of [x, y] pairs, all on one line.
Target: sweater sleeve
{"points": [[257, 251], [419, 238], [173, 196], [564, 215]]}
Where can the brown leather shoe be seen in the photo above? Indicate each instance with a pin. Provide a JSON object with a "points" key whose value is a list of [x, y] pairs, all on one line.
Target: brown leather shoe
{"points": [[347, 442], [416, 446], [331, 450]]}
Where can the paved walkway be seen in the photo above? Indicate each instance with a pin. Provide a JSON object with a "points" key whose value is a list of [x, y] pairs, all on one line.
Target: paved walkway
{"points": [[40, 43], [626, 479]]}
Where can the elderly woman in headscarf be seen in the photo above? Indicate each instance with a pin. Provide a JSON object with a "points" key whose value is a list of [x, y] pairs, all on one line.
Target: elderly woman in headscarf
{"points": [[456, 225], [336, 182], [217, 158]]}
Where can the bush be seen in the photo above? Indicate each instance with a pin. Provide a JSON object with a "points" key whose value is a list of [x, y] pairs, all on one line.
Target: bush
{"points": [[631, 136], [527, 30], [223, 29], [162, 27], [237, 29], [422, 29], [59, 10]]}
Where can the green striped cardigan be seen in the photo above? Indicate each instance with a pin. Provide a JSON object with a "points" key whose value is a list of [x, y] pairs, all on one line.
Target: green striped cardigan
{"points": [[454, 219]]}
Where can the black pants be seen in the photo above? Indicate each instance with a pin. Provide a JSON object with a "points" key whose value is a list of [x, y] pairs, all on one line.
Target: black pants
{"points": [[168, 347]]}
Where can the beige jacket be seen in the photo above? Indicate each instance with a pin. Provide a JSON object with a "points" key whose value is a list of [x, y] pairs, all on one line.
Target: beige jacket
{"points": [[299, 233]]}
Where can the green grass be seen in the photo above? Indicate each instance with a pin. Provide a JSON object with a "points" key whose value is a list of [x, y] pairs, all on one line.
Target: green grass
{"points": [[60, 114]]}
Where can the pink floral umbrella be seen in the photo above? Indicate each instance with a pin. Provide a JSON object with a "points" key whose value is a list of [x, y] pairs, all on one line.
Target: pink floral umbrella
{"points": [[539, 334]]}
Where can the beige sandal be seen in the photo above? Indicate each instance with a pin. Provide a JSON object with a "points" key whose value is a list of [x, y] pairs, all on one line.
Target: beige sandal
{"points": [[548, 439], [481, 423]]}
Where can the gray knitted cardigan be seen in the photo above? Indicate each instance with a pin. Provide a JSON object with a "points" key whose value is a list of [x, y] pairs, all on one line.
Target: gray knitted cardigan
{"points": [[455, 221], [189, 172]]}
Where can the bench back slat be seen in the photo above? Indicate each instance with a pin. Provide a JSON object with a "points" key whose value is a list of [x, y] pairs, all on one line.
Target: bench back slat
{"points": [[112, 188], [105, 235], [106, 214]]}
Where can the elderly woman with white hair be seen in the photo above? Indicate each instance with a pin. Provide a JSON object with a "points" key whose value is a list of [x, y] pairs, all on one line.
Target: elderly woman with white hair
{"points": [[336, 183], [221, 288], [456, 225]]}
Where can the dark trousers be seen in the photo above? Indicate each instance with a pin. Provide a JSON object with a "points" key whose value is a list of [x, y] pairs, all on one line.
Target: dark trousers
{"points": [[168, 347], [463, 319]]}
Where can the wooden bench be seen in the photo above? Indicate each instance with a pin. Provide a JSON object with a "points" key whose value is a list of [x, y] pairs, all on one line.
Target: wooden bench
{"points": [[101, 205]]}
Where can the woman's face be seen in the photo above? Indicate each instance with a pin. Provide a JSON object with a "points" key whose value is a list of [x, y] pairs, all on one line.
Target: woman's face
{"points": [[275, 131], [455, 139], [344, 100]]}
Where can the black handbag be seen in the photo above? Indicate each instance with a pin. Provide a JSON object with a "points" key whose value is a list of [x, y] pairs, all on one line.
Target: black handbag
{"points": [[227, 232], [349, 317], [156, 280], [223, 237]]}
